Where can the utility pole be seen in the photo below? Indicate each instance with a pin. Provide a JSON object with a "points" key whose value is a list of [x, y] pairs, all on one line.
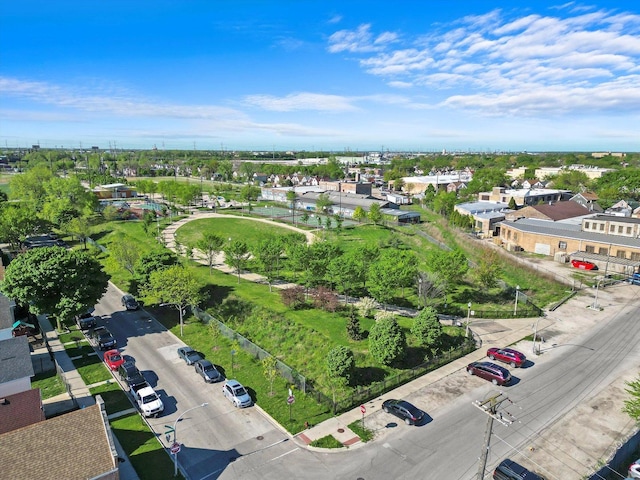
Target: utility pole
{"points": [[490, 406]]}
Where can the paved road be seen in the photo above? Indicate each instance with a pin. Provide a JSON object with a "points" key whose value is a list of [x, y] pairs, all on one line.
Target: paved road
{"points": [[223, 442], [213, 435]]}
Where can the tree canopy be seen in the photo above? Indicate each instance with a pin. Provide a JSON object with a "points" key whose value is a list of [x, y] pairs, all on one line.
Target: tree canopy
{"points": [[387, 342], [55, 281]]}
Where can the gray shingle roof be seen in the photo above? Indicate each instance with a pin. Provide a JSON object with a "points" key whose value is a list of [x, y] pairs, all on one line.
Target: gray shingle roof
{"points": [[6, 320], [15, 359]]}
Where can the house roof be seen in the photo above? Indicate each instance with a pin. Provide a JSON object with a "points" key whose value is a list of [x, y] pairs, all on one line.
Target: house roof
{"points": [[6, 319], [73, 446], [15, 359], [561, 210], [20, 409]]}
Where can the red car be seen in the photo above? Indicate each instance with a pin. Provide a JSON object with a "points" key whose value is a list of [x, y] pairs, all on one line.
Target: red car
{"points": [[113, 359], [490, 371], [507, 355]]}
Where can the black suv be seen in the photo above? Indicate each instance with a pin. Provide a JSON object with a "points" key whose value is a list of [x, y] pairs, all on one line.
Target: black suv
{"points": [[103, 338], [131, 376], [129, 302], [510, 470], [86, 321]]}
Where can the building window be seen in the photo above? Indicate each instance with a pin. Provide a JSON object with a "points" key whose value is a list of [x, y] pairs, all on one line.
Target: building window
{"points": [[590, 249], [515, 237], [628, 230], [621, 254], [602, 227], [635, 256], [612, 228], [586, 225], [562, 245], [603, 251], [620, 228]]}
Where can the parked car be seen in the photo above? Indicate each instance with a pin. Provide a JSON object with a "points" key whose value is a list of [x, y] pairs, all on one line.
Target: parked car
{"points": [[404, 410], [634, 469], [129, 302], [507, 355], [490, 371], [127, 370], [148, 401], [236, 394], [113, 359], [207, 371], [189, 355], [510, 470], [103, 338], [86, 321]]}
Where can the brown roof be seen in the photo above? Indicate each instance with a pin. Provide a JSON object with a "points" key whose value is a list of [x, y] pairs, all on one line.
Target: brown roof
{"points": [[561, 210], [589, 196], [71, 446], [20, 409]]}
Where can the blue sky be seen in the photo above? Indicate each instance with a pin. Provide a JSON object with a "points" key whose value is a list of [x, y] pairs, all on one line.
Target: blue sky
{"points": [[309, 75]]}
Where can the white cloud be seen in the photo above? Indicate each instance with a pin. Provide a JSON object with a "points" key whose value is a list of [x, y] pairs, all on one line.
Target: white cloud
{"points": [[506, 64], [301, 101]]}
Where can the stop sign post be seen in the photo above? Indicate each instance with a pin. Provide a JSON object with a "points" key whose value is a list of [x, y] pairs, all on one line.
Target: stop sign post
{"points": [[175, 448], [363, 410], [290, 400]]}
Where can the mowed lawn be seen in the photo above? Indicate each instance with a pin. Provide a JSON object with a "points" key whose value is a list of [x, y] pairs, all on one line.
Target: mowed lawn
{"points": [[250, 231]]}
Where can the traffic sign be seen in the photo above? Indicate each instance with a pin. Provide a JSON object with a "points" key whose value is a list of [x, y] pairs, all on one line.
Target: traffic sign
{"points": [[291, 399], [363, 409], [175, 448]]}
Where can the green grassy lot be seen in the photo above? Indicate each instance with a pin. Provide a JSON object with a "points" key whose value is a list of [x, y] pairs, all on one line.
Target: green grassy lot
{"points": [[49, 383], [326, 442], [147, 456], [92, 369], [247, 230], [364, 433], [115, 400]]}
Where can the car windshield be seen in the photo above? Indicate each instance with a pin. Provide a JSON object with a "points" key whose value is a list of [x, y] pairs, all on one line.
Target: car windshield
{"points": [[115, 358], [207, 367], [149, 398], [239, 391], [104, 335]]}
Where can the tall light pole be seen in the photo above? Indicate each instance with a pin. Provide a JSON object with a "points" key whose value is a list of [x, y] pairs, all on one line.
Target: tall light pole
{"points": [[466, 333], [175, 436], [595, 305], [515, 309]]}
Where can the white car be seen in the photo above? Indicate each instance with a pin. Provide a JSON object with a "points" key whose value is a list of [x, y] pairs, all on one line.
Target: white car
{"points": [[634, 469], [236, 394]]}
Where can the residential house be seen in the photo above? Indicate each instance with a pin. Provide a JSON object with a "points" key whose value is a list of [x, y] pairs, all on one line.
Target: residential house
{"points": [[75, 446], [524, 197], [551, 211], [588, 200], [20, 409], [16, 368]]}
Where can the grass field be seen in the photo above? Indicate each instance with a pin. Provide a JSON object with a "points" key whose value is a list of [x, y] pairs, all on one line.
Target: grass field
{"points": [[49, 383], [115, 400]]}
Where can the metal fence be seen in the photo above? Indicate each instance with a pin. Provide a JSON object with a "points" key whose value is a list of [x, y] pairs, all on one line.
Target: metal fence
{"points": [[247, 345], [363, 394]]}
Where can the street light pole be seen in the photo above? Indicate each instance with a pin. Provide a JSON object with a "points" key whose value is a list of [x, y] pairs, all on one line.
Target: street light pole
{"points": [[515, 309], [466, 334], [175, 435]]}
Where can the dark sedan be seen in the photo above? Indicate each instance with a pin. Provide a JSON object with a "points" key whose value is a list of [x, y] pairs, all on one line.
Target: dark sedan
{"points": [[490, 371], [189, 355], [404, 410], [207, 371]]}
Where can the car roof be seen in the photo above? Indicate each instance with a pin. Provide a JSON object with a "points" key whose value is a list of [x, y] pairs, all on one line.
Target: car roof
{"points": [[204, 362], [234, 383]]}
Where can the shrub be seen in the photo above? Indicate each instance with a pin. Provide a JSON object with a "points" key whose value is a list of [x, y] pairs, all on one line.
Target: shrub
{"points": [[325, 299], [293, 297], [366, 306], [387, 342]]}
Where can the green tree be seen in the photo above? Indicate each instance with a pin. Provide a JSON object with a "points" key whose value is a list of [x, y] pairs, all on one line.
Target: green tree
{"points": [[210, 245], [488, 270], [291, 198], [17, 222], [126, 253], [387, 342], [449, 266], [267, 254], [176, 286], [304, 218], [340, 367], [375, 215], [632, 405], [484, 179], [151, 262], [55, 281], [237, 255], [512, 203], [270, 370], [428, 331], [323, 203], [359, 214], [79, 228]]}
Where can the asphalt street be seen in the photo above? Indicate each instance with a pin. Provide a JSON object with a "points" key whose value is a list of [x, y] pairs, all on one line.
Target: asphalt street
{"points": [[223, 442]]}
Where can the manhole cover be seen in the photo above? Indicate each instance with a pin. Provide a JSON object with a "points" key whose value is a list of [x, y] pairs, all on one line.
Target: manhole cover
{"points": [[341, 430], [359, 478], [259, 437]]}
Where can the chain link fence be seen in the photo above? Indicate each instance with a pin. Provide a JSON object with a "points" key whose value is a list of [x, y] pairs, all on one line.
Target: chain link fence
{"points": [[247, 345]]}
